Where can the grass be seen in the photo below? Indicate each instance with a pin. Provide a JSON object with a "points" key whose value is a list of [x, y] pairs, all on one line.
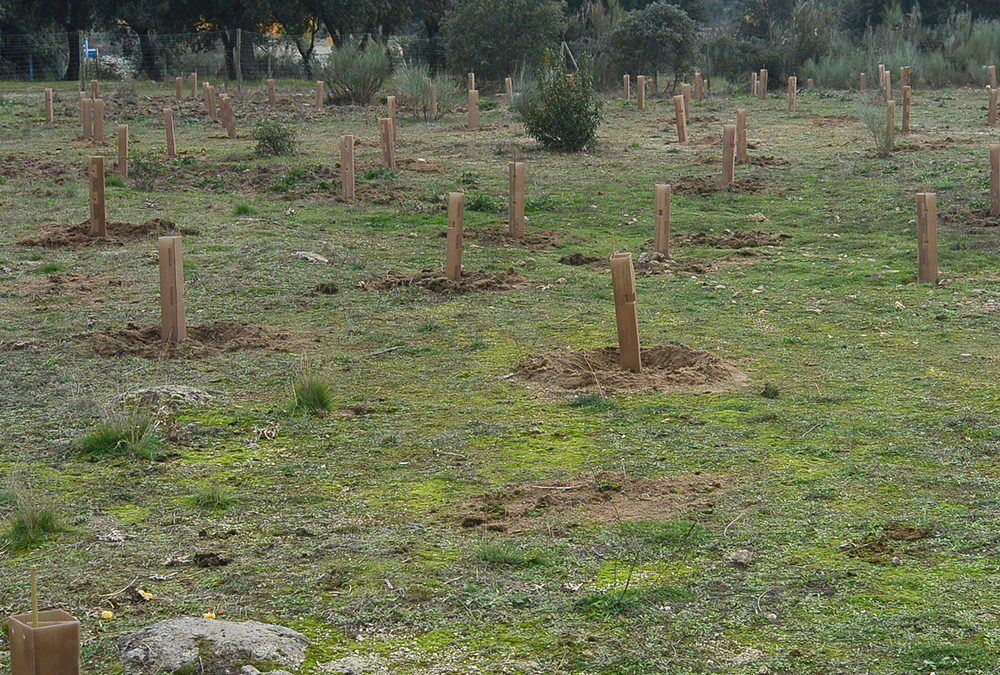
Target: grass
{"points": [[122, 431], [30, 521], [244, 209], [312, 393], [508, 554], [212, 497]]}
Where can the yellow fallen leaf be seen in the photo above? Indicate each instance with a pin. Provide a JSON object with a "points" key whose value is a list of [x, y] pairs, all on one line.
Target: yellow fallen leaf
{"points": [[208, 615], [107, 615], [146, 595]]}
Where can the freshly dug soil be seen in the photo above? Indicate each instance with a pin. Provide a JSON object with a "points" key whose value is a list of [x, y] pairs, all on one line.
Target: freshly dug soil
{"points": [[729, 239], [79, 236], [709, 186], [206, 340], [499, 236], [435, 281], [664, 368], [66, 284], [36, 170]]}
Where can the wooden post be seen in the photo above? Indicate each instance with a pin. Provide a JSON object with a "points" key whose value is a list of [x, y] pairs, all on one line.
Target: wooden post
{"points": [[123, 150], [515, 216], [888, 86], [698, 87], [682, 136], [991, 116], [640, 91], [390, 104], [995, 180], [661, 221], [728, 155], [179, 87], [388, 146], [793, 83], [347, 167], [881, 76], [319, 93], [168, 122], [906, 108], [98, 217], [809, 83], [194, 86], [50, 115], [762, 84], [88, 128], [230, 118], [434, 102], [754, 84], [473, 109], [686, 94], [508, 85], [904, 76], [927, 237], [213, 112], [741, 136], [472, 81], [863, 85], [95, 89], [623, 285], [173, 325], [271, 99], [626, 86], [992, 70], [890, 124], [456, 217], [98, 120]]}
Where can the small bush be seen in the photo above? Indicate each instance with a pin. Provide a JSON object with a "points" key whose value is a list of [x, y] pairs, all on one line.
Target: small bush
{"points": [[563, 112], [414, 91], [875, 118], [123, 431], [312, 393], [355, 74], [30, 521], [272, 138], [144, 169], [212, 498], [483, 202], [244, 209]]}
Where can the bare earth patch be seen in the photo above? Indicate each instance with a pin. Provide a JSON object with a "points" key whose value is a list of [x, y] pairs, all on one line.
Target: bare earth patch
{"points": [[664, 368], [66, 284], [33, 169], [652, 263], [729, 239], [710, 186], [970, 219], [206, 340], [604, 498], [79, 236], [499, 236], [435, 281]]}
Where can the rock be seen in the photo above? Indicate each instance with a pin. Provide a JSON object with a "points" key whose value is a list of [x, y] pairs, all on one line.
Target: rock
{"points": [[173, 396], [352, 665], [249, 670], [740, 558], [309, 256], [175, 643]]}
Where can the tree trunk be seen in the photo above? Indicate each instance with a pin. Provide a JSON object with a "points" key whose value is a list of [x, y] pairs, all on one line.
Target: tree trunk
{"points": [[306, 53], [73, 43], [149, 64], [248, 59], [228, 43]]}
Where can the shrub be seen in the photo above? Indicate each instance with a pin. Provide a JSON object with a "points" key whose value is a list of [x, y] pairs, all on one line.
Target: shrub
{"points": [[273, 138], [563, 111], [414, 90], [355, 74], [658, 38], [491, 37], [312, 394], [123, 431], [144, 169], [30, 520], [875, 118]]}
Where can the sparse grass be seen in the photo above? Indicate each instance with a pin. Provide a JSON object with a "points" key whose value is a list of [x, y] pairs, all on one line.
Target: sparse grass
{"points": [[312, 393], [30, 519], [244, 209], [503, 553], [212, 497], [122, 431]]}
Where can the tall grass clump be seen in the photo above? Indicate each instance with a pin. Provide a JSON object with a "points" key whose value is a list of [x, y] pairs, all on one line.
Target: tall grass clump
{"points": [[312, 393], [874, 117], [413, 86], [123, 431], [355, 74], [30, 519]]}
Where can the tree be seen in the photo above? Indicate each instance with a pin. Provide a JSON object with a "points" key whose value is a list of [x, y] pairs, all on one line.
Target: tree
{"points": [[493, 37], [659, 38]]}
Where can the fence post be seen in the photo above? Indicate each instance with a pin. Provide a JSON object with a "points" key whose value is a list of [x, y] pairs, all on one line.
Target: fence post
{"points": [[50, 115], [98, 120], [698, 87], [863, 85], [123, 150], [623, 285], [741, 136], [762, 84], [680, 119], [640, 91], [179, 88], [991, 116], [472, 81], [890, 123], [473, 109], [388, 146], [95, 89], [995, 180], [98, 218], [661, 221], [347, 167], [906, 108], [173, 325], [927, 237], [753, 84], [515, 216], [194, 86], [168, 123], [320, 94], [793, 83], [728, 155], [686, 95], [456, 216]]}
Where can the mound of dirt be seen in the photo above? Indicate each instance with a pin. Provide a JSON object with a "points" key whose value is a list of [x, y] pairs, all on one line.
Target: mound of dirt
{"points": [[970, 220], [729, 239], [66, 284], [664, 368], [221, 336], [648, 264], [947, 143], [500, 236], [435, 281], [604, 498], [35, 170], [579, 260], [79, 236], [709, 186], [765, 160]]}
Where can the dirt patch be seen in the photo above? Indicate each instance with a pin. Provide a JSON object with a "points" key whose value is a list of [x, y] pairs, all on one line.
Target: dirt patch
{"points": [[664, 368], [710, 186], [970, 220], [765, 160], [729, 239], [383, 195], [499, 236], [579, 260], [435, 281], [830, 120], [79, 236], [943, 144], [604, 498], [418, 166], [706, 140], [650, 264], [896, 539], [222, 336], [35, 170], [66, 284]]}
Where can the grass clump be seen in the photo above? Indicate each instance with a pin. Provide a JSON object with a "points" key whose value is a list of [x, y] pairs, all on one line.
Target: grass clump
{"points": [[244, 209], [483, 202], [30, 520], [123, 432], [875, 119], [114, 181], [272, 138], [770, 391], [212, 497], [380, 173], [508, 554], [312, 393]]}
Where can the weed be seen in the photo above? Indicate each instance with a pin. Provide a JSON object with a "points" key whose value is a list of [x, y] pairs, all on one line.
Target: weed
{"points": [[483, 202], [49, 268], [114, 181], [380, 173], [244, 209], [770, 391], [212, 497], [508, 554], [123, 431], [593, 402], [312, 393], [30, 520]]}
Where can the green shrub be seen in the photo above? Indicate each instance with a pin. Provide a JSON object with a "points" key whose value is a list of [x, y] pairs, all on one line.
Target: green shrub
{"points": [[312, 393], [123, 431], [144, 169], [563, 112], [273, 138], [355, 74], [658, 38], [414, 91]]}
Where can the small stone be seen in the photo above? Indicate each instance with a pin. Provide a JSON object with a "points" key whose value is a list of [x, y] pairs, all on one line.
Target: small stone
{"points": [[740, 558], [309, 256], [561, 280], [249, 670]]}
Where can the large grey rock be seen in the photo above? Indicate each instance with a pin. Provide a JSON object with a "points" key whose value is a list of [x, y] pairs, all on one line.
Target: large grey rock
{"points": [[172, 644]]}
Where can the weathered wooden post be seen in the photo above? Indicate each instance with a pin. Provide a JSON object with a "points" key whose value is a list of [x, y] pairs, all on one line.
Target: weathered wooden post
{"points": [[623, 285], [473, 109], [319, 93], [793, 83], [904, 76], [95, 89], [168, 122], [508, 85], [50, 114], [434, 102], [741, 136], [88, 128], [890, 124], [991, 116], [995, 180], [640, 91], [754, 84], [98, 120], [863, 85], [661, 221], [626, 86], [123, 150], [927, 237], [213, 112], [888, 86], [229, 118], [179, 87], [194, 86], [347, 167], [698, 87], [681, 121], [906, 108], [762, 84], [809, 83], [881, 75], [515, 216], [993, 76], [472, 81], [456, 217], [728, 155], [98, 214], [173, 324], [271, 98], [686, 94], [388, 143]]}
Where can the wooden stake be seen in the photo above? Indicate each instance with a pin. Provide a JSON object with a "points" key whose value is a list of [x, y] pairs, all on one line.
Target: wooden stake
{"points": [[686, 93], [762, 84], [904, 76], [927, 237], [473, 109], [472, 81], [168, 122], [515, 216], [992, 70], [508, 85], [728, 155], [34, 597], [390, 103], [995, 180], [123, 150], [906, 108], [863, 85], [991, 116], [88, 129], [754, 84], [661, 221], [271, 99], [213, 112], [793, 83], [173, 325], [888, 86], [640, 91], [388, 145], [881, 76], [98, 218], [456, 217], [50, 115], [623, 285], [626, 86], [682, 136], [319, 93], [698, 87], [95, 90], [890, 123], [179, 88], [741, 136], [809, 83], [347, 167], [434, 102], [98, 120], [194, 86]]}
